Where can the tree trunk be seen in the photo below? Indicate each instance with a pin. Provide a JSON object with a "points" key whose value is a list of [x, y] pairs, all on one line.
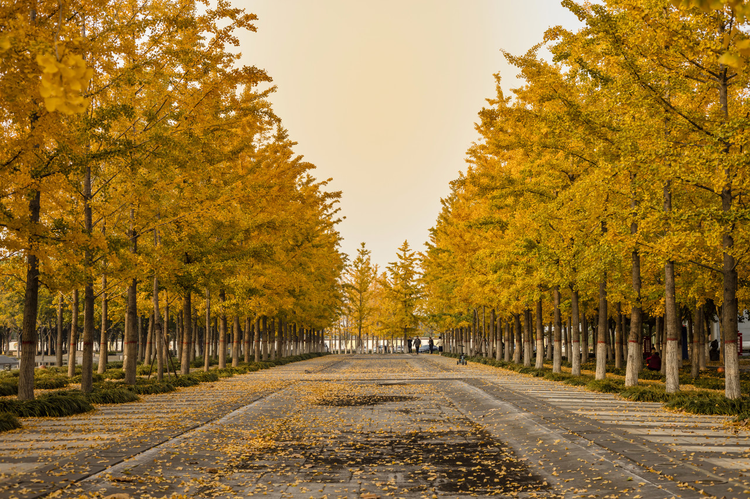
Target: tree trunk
{"points": [[264, 339], [518, 348], [618, 337], [498, 339], [601, 340], [73, 339], [158, 331], [236, 341], [257, 339], [131, 331], [584, 339], [149, 340], [539, 335], [103, 336], [222, 331], [248, 337], [207, 342], [178, 333], [575, 335], [705, 331], [633, 366], [59, 343], [187, 338], [527, 337], [508, 348], [548, 348], [672, 326], [87, 361], [30, 309], [557, 350], [695, 354], [492, 343]]}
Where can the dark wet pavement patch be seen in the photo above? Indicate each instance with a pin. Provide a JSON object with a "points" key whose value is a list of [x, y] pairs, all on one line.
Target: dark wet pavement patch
{"points": [[346, 400], [451, 462]]}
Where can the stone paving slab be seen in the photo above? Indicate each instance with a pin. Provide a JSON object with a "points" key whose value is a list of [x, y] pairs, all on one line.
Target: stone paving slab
{"points": [[685, 463], [390, 426], [129, 429]]}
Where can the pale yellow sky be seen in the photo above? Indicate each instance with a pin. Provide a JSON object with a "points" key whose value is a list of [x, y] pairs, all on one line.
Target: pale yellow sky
{"points": [[383, 95]]}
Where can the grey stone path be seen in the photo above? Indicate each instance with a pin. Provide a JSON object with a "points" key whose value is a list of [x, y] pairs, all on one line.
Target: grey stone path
{"points": [[378, 426]]}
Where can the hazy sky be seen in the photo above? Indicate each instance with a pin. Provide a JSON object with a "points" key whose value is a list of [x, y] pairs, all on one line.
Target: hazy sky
{"points": [[382, 96]]}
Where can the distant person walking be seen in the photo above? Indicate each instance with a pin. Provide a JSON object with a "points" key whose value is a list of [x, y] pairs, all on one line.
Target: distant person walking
{"points": [[417, 344], [408, 345], [431, 344]]}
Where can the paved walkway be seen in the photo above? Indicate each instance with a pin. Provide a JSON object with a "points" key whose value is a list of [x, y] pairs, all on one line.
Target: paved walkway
{"points": [[378, 426]]}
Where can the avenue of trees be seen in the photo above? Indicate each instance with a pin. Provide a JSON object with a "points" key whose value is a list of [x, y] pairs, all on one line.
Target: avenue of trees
{"points": [[609, 193], [148, 187]]}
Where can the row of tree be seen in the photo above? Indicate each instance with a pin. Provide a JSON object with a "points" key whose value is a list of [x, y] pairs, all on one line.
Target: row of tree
{"points": [[140, 162], [613, 182]]}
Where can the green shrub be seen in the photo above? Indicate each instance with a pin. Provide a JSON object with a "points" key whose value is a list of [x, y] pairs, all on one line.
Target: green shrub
{"points": [[55, 404], [226, 372], [556, 376], [95, 377], [651, 375], [109, 385], [151, 388], [8, 422], [47, 382], [526, 370], [605, 385], [145, 370], [577, 380], [645, 394], [200, 361], [709, 383], [8, 388], [114, 373], [708, 403], [113, 396], [185, 380], [204, 376]]}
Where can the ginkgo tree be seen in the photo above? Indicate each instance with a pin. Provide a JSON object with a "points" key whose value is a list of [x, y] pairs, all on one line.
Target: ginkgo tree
{"points": [[143, 163], [613, 179], [358, 287]]}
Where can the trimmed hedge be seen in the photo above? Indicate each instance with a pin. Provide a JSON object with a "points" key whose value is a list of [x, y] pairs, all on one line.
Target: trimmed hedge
{"points": [[113, 396], [8, 422], [152, 388], [54, 405], [8, 388]]}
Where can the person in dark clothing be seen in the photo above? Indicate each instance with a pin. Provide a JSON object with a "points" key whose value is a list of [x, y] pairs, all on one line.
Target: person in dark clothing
{"points": [[417, 344], [408, 345], [653, 362], [431, 344], [713, 352]]}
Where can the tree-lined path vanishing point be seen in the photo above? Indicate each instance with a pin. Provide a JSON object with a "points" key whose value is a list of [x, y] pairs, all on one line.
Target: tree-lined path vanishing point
{"points": [[377, 426]]}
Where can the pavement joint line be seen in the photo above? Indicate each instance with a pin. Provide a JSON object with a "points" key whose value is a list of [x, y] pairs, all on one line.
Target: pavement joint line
{"points": [[126, 462], [613, 431], [628, 465], [161, 439]]}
